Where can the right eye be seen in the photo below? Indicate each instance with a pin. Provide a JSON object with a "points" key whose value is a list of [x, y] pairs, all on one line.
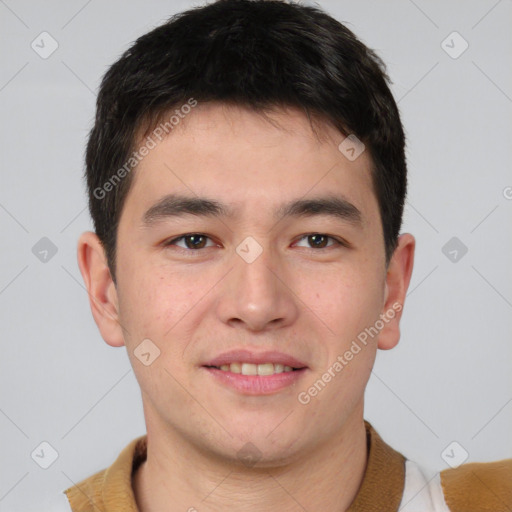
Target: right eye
{"points": [[192, 241]]}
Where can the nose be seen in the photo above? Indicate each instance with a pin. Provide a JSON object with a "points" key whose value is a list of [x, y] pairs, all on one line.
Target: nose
{"points": [[258, 295]]}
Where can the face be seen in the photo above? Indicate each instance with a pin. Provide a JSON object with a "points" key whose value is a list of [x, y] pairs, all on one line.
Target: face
{"points": [[250, 246]]}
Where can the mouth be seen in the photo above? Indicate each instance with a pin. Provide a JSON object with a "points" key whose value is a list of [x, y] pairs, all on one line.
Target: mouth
{"points": [[248, 362], [263, 369], [253, 373]]}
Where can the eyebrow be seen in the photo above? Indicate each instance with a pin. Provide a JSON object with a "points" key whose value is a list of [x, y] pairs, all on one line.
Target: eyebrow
{"points": [[175, 206]]}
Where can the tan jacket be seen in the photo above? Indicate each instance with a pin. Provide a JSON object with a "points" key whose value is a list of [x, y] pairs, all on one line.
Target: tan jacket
{"points": [[390, 483]]}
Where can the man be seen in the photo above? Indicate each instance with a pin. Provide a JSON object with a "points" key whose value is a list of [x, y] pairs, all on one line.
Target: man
{"points": [[246, 178]]}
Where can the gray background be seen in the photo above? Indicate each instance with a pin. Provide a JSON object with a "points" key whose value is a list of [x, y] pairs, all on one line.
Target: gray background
{"points": [[449, 378]]}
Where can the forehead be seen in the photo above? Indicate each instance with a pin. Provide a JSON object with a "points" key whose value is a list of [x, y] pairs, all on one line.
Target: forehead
{"points": [[246, 159]]}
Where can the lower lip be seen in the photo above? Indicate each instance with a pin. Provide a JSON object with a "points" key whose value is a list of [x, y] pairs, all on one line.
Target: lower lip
{"points": [[256, 384]]}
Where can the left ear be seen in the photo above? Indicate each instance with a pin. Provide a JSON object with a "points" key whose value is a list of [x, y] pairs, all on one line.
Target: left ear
{"points": [[397, 282]]}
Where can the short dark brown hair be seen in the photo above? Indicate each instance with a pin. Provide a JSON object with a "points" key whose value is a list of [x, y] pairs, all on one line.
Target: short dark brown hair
{"points": [[259, 54]]}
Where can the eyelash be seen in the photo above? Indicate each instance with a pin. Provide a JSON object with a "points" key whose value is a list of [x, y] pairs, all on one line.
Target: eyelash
{"points": [[337, 242]]}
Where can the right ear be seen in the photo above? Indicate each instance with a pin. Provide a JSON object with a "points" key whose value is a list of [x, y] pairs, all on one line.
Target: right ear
{"points": [[100, 287]]}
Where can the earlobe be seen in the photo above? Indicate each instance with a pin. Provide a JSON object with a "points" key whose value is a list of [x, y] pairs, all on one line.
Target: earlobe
{"points": [[397, 282], [100, 288]]}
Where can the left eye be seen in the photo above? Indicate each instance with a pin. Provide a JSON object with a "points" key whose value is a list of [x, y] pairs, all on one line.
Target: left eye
{"points": [[319, 240], [192, 241]]}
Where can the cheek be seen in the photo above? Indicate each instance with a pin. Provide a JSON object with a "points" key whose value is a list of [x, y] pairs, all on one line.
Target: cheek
{"points": [[157, 295], [151, 302], [155, 307], [347, 301]]}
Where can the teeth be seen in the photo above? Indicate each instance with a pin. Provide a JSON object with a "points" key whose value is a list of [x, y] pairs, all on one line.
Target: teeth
{"points": [[234, 367], [249, 369], [266, 369], [255, 369]]}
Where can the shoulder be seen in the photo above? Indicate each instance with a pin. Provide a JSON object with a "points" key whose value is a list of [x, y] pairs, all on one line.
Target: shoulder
{"points": [[472, 487], [87, 493], [479, 486], [110, 485]]}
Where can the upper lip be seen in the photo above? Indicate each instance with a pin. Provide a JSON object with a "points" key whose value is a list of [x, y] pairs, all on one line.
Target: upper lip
{"points": [[246, 356]]}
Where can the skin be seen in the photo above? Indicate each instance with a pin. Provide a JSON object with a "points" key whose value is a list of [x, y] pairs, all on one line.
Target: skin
{"points": [[297, 298]]}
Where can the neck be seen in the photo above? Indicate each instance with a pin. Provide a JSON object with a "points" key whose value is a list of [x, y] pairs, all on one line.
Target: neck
{"points": [[176, 476]]}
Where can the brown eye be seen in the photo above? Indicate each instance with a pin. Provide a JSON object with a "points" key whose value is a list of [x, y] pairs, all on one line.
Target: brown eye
{"points": [[319, 241], [191, 241], [195, 241]]}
